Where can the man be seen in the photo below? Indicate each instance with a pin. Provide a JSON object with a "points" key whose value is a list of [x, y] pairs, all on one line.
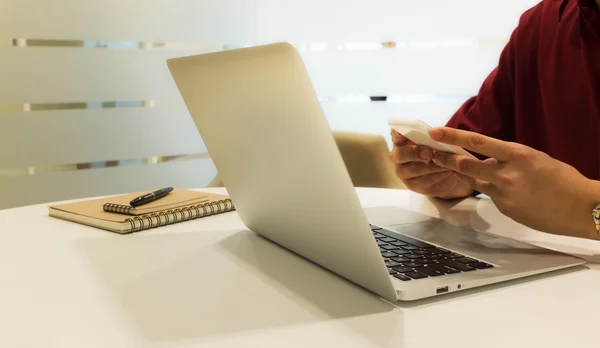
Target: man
{"points": [[534, 125]]}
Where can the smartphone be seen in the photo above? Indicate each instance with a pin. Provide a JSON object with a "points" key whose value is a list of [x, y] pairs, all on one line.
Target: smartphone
{"points": [[418, 132]]}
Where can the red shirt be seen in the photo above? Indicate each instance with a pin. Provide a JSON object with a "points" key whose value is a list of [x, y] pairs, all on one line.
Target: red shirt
{"points": [[545, 91]]}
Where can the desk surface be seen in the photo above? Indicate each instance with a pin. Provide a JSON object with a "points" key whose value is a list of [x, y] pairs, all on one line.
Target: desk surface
{"points": [[212, 283]]}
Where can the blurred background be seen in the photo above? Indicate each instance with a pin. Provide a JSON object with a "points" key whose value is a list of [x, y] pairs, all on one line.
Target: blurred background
{"points": [[88, 107]]}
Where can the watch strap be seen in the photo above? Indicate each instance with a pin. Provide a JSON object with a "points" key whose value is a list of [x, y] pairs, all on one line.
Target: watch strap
{"points": [[596, 216]]}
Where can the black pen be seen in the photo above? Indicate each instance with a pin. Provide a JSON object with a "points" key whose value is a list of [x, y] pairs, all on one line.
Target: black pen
{"points": [[149, 197]]}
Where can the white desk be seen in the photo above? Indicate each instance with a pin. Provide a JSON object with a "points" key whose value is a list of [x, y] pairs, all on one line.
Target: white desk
{"points": [[211, 283]]}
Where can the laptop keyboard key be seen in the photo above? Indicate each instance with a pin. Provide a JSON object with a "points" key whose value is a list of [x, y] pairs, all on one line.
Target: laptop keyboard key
{"points": [[408, 239], [440, 251], [412, 264], [396, 243], [421, 252], [416, 275], [480, 265], [430, 271], [401, 252], [400, 259], [453, 256], [415, 242], [387, 239], [466, 260], [410, 247], [391, 263], [391, 271], [402, 277], [389, 247], [379, 235], [444, 268], [380, 243], [457, 265], [388, 254], [403, 269]]}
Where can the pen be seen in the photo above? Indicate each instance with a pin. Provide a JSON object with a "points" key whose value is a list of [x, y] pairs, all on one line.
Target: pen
{"points": [[149, 197]]}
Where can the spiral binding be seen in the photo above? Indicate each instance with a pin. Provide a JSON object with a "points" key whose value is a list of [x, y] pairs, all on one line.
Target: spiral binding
{"points": [[148, 221], [117, 208]]}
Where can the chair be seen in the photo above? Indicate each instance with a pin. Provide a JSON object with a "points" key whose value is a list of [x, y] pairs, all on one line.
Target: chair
{"points": [[366, 158]]}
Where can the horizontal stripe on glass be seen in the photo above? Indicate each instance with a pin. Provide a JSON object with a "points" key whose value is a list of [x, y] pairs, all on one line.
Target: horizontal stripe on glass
{"points": [[411, 44], [102, 164], [308, 46], [29, 107], [393, 98], [401, 98]]}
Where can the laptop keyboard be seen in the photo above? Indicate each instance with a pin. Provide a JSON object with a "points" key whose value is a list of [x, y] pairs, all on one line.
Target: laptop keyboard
{"points": [[407, 258]]}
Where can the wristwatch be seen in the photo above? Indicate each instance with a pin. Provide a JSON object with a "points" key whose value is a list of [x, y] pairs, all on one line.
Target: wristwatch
{"points": [[596, 216]]}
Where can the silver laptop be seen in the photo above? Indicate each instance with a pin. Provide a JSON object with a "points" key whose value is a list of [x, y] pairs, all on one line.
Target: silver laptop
{"points": [[257, 112]]}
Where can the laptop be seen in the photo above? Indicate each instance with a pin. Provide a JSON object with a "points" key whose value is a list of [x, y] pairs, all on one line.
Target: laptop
{"points": [[262, 123]]}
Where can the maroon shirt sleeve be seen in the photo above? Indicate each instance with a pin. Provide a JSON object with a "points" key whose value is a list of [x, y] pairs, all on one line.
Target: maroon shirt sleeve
{"points": [[491, 111]]}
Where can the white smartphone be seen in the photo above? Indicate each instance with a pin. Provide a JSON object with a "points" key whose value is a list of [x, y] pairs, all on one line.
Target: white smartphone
{"points": [[418, 132]]}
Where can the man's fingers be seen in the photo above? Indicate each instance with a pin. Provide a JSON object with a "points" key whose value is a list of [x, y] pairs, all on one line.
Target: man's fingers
{"points": [[470, 167], [399, 139], [415, 169], [411, 153], [426, 181], [482, 186], [486, 188], [475, 142]]}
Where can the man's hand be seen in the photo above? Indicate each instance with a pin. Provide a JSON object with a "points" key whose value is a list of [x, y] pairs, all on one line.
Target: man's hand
{"points": [[527, 185], [419, 174]]}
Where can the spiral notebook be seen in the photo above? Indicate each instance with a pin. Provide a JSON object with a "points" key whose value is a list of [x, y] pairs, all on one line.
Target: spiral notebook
{"points": [[92, 213]]}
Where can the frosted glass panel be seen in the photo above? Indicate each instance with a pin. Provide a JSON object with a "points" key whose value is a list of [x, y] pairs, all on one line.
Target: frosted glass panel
{"points": [[448, 71], [214, 21], [60, 137], [82, 78], [377, 20], [86, 74], [436, 52], [87, 104]]}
